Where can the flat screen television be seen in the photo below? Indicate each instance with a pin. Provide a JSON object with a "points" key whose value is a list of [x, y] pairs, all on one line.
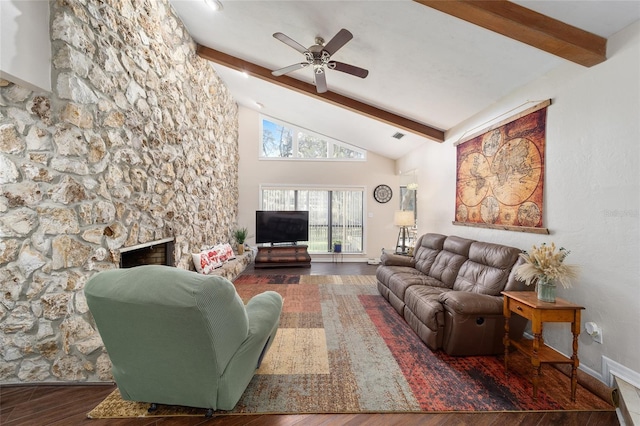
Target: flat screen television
{"points": [[282, 226]]}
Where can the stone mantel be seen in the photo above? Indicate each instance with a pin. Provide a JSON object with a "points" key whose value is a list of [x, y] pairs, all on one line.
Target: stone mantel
{"points": [[147, 244]]}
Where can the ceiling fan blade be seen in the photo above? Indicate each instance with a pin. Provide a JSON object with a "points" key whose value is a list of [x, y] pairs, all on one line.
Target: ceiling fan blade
{"points": [[321, 82], [285, 70], [338, 41], [290, 42], [349, 69]]}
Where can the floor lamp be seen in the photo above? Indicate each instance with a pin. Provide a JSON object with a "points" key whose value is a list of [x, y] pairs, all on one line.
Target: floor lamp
{"points": [[404, 219]]}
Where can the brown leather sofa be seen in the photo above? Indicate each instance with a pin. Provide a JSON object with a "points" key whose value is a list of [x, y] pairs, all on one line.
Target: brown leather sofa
{"points": [[449, 292]]}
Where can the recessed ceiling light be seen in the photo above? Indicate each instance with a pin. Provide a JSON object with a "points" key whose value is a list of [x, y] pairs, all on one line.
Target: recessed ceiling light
{"points": [[214, 4], [244, 74], [259, 105]]}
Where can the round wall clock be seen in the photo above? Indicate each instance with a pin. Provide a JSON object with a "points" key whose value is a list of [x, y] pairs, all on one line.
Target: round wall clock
{"points": [[382, 193]]}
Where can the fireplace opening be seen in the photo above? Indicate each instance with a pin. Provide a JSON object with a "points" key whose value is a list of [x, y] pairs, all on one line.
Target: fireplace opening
{"points": [[152, 253]]}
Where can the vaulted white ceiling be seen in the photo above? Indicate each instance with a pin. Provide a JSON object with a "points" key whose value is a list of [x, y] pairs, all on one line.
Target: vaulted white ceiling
{"points": [[423, 64]]}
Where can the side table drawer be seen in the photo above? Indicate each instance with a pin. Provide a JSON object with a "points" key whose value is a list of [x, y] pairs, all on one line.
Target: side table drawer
{"points": [[521, 309]]}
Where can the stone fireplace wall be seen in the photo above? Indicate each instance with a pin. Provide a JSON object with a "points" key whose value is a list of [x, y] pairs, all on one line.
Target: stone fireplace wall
{"points": [[137, 142]]}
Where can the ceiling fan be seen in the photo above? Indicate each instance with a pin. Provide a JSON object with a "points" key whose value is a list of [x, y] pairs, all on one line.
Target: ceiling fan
{"points": [[319, 56]]}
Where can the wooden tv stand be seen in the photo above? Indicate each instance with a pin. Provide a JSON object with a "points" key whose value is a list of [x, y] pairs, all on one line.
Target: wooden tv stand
{"points": [[282, 256]]}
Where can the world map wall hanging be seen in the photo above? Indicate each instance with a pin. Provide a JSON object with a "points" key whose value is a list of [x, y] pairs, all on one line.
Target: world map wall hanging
{"points": [[500, 174]]}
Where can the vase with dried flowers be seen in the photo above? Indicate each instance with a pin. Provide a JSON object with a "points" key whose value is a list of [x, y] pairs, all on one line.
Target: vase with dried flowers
{"points": [[544, 266]]}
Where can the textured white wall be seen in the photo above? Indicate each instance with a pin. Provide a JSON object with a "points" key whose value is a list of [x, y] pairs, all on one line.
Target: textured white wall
{"points": [[376, 170], [24, 28], [592, 189]]}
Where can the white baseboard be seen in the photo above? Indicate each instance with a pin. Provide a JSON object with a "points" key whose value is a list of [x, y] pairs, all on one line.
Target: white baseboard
{"points": [[593, 373], [346, 259], [610, 368]]}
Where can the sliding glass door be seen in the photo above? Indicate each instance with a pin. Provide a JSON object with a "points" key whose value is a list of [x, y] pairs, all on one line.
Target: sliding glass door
{"points": [[334, 214]]}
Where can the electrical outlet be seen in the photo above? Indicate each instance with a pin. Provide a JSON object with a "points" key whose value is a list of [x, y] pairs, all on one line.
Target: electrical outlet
{"points": [[594, 331]]}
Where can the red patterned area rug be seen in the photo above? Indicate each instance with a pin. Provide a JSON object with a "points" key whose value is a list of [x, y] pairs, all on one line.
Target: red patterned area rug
{"points": [[341, 348]]}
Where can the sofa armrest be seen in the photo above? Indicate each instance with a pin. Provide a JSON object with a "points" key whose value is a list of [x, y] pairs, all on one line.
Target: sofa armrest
{"points": [[391, 259], [467, 303]]}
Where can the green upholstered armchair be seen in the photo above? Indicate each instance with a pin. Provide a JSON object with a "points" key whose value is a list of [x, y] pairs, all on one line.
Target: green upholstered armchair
{"points": [[178, 337]]}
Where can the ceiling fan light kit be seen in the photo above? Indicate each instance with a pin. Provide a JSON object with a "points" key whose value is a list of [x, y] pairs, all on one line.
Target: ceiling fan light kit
{"points": [[319, 57]]}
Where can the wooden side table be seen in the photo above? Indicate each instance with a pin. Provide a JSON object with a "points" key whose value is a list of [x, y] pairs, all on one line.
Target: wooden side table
{"points": [[527, 305]]}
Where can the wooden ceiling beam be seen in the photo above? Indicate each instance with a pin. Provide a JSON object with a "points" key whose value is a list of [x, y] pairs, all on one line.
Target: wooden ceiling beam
{"points": [[331, 97], [529, 27]]}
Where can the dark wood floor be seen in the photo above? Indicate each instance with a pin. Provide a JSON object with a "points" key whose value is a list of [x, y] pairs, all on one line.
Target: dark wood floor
{"points": [[319, 268], [69, 404]]}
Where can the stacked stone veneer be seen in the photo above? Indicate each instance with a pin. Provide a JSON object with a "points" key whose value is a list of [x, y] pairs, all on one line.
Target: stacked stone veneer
{"points": [[137, 142]]}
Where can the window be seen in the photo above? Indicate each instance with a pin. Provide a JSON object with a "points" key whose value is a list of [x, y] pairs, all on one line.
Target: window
{"points": [[334, 214], [311, 147], [285, 141], [277, 140]]}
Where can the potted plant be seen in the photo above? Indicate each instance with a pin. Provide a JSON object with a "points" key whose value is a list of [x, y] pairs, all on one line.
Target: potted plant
{"points": [[337, 246], [240, 235]]}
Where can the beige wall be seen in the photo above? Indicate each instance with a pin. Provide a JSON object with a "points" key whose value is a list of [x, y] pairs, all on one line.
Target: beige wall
{"points": [[380, 231], [24, 27], [592, 190]]}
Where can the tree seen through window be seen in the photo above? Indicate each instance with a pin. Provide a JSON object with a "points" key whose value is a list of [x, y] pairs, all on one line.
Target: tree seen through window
{"points": [[334, 215], [285, 141]]}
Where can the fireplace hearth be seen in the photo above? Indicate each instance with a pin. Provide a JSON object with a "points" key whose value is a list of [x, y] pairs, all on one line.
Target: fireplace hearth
{"points": [[160, 252]]}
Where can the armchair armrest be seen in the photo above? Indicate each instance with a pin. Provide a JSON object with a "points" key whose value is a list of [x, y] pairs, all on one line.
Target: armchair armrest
{"points": [[467, 303], [392, 259], [263, 311]]}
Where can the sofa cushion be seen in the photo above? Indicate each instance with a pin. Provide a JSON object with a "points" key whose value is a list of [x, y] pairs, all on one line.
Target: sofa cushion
{"points": [[448, 261], [495, 255], [400, 282], [427, 248], [384, 274], [487, 269]]}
